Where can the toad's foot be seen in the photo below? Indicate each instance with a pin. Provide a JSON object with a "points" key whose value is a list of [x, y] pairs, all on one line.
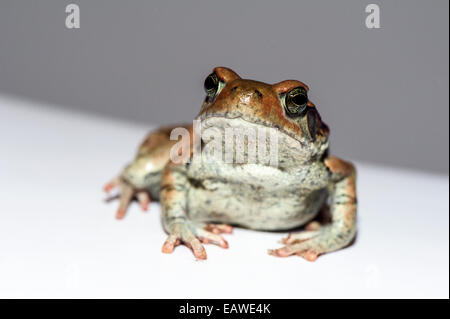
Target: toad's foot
{"points": [[308, 244], [128, 192], [193, 235]]}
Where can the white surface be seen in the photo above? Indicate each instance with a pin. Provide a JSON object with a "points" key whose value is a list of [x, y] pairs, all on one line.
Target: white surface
{"points": [[59, 239]]}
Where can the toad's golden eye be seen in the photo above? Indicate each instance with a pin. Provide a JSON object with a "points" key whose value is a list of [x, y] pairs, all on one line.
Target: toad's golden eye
{"points": [[296, 101], [211, 85]]}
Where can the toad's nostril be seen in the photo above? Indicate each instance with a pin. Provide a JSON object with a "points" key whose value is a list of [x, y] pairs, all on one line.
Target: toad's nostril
{"points": [[258, 94], [234, 89]]}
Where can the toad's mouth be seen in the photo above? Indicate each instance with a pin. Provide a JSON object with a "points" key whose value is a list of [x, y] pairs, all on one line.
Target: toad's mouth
{"points": [[226, 120]]}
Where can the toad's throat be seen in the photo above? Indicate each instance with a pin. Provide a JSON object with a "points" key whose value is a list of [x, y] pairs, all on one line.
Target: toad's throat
{"points": [[239, 142]]}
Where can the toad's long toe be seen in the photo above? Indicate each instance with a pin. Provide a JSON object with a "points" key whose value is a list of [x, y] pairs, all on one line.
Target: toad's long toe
{"points": [[143, 199], [208, 237], [171, 242], [299, 237], [125, 199], [219, 228], [111, 184]]}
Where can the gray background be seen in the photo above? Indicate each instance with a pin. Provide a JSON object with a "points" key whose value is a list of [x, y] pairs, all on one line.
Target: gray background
{"points": [[384, 92]]}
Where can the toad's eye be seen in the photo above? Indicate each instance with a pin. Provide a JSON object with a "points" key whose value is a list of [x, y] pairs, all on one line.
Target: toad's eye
{"points": [[296, 101], [211, 85]]}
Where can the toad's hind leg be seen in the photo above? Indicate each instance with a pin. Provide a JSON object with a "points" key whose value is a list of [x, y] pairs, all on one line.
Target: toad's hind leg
{"points": [[141, 178]]}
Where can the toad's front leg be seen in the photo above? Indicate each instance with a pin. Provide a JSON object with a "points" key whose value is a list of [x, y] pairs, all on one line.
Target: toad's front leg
{"points": [[141, 179], [133, 183], [181, 229], [311, 243]]}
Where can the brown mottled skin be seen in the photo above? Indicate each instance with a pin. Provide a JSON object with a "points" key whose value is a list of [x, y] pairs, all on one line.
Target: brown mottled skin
{"points": [[199, 200]]}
